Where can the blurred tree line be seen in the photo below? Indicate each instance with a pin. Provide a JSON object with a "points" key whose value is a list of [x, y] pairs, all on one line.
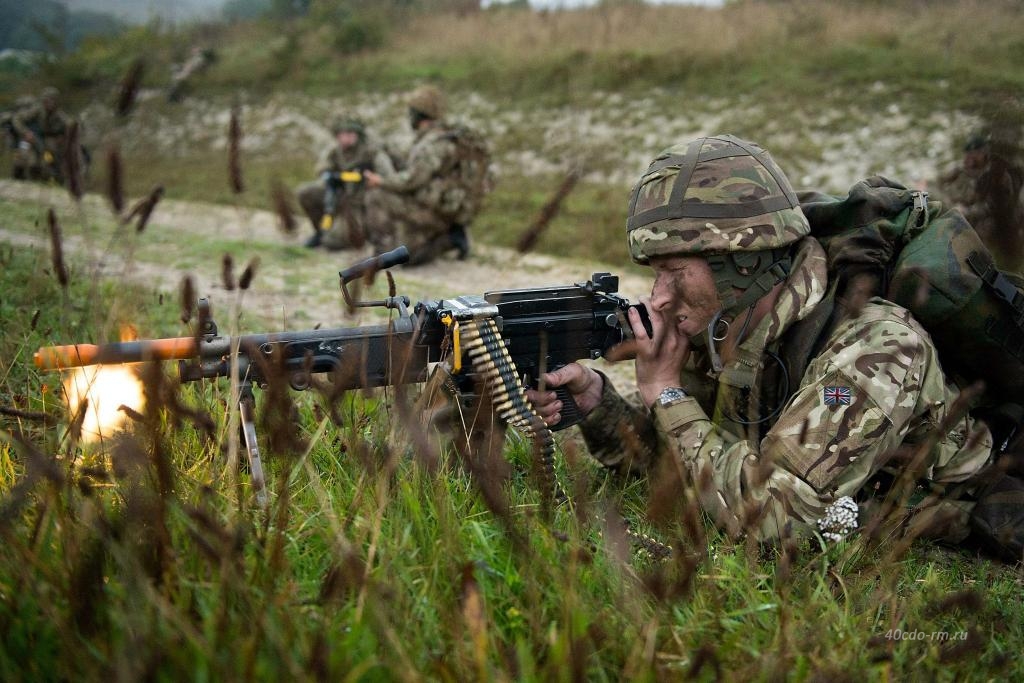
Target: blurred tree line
{"points": [[285, 9], [49, 26], [356, 24]]}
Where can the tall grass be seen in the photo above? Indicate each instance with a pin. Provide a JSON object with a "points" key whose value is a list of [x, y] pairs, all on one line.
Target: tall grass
{"points": [[386, 556], [380, 558]]}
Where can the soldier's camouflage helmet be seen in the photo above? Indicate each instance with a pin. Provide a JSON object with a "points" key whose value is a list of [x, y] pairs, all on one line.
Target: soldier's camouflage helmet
{"points": [[717, 194], [342, 124], [427, 100], [977, 140], [49, 93]]}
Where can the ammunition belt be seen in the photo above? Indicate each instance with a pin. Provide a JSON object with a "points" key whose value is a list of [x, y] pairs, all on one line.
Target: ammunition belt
{"points": [[491, 361]]}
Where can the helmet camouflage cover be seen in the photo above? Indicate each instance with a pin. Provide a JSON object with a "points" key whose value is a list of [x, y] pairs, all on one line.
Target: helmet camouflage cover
{"points": [[714, 195], [343, 124], [428, 100]]}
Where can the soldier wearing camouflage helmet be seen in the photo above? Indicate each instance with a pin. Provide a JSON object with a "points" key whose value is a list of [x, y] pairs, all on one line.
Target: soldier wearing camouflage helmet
{"points": [[780, 400], [42, 131], [334, 203], [419, 205]]}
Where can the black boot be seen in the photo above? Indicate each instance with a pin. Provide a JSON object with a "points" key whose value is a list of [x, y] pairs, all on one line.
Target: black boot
{"points": [[459, 240], [314, 241]]}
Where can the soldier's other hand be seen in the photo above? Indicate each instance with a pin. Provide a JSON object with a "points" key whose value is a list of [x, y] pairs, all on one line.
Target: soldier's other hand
{"points": [[660, 357], [584, 384], [372, 179], [30, 136]]}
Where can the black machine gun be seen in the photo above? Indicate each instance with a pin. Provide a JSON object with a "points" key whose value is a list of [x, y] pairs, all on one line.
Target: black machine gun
{"points": [[504, 340]]}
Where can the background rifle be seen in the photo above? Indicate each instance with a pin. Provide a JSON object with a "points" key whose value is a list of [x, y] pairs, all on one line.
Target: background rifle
{"points": [[333, 182]]}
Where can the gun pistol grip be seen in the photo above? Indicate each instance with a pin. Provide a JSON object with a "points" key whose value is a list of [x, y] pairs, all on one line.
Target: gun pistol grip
{"points": [[570, 412]]}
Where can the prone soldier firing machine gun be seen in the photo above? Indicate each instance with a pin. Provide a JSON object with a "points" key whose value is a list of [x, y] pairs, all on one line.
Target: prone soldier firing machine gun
{"points": [[500, 342]]}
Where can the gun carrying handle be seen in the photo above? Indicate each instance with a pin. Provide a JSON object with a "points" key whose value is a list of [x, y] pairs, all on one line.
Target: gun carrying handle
{"points": [[375, 263]]}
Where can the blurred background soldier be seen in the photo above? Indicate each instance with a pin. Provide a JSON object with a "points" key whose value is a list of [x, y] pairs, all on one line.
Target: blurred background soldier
{"points": [[42, 131], [429, 204], [334, 202], [22, 104], [986, 188], [198, 60]]}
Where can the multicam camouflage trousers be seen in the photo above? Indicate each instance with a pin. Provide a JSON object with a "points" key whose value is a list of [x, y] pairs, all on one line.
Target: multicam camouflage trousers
{"points": [[346, 232], [394, 219]]}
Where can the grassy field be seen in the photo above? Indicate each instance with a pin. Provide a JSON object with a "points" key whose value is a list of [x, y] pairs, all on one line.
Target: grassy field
{"points": [[381, 557], [793, 47]]}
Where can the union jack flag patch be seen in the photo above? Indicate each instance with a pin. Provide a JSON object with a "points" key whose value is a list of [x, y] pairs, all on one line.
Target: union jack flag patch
{"points": [[837, 396]]}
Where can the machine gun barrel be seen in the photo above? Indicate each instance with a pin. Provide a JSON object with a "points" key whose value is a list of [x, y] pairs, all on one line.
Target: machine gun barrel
{"points": [[359, 357], [80, 355]]}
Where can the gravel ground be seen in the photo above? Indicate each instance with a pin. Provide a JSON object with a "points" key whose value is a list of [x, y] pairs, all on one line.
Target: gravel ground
{"points": [[612, 137]]}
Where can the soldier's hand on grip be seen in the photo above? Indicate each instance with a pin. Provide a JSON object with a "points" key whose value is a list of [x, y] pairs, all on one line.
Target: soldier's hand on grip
{"points": [[584, 384]]}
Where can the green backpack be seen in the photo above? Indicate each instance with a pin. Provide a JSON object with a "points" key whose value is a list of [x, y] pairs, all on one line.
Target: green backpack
{"points": [[929, 260], [470, 171]]}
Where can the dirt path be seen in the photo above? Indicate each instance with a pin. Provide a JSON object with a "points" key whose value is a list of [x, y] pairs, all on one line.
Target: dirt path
{"points": [[294, 288]]}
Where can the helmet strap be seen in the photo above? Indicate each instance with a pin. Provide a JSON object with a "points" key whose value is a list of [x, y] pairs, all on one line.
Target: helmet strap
{"points": [[416, 117], [717, 330], [755, 274]]}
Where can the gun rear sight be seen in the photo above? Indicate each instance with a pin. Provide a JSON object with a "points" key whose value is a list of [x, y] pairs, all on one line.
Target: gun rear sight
{"points": [[605, 282]]}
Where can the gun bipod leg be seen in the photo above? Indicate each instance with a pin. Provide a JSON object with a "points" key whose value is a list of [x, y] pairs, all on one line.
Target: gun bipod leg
{"points": [[247, 415]]}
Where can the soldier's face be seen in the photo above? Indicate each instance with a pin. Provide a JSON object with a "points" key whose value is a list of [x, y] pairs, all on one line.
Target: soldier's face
{"points": [[684, 293], [347, 138], [975, 160]]}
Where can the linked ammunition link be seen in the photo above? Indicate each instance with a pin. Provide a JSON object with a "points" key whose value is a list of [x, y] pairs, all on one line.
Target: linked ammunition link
{"points": [[486, 349], [491, 361]]}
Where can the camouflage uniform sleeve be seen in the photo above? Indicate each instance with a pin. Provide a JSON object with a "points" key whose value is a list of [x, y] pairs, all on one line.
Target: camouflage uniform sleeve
{"points": [[619, 434], [876, 381], [25, 120], [425, 162], [382, 163]]}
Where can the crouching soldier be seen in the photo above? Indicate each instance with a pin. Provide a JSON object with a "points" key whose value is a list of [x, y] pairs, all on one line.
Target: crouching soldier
{"points": [[334, 203], [429, 204], [42, 132]]}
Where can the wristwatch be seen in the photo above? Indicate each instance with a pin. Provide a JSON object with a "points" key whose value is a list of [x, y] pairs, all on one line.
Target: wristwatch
{"points": [[670, 396]]}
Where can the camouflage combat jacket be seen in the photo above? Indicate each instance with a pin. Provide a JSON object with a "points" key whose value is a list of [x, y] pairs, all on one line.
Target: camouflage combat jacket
{"points": [[363, 156], [51, 126], [876, 385], [425, 175]]}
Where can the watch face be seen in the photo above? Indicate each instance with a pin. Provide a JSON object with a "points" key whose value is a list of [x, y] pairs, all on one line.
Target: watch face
{"points": [[671, 395]]}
